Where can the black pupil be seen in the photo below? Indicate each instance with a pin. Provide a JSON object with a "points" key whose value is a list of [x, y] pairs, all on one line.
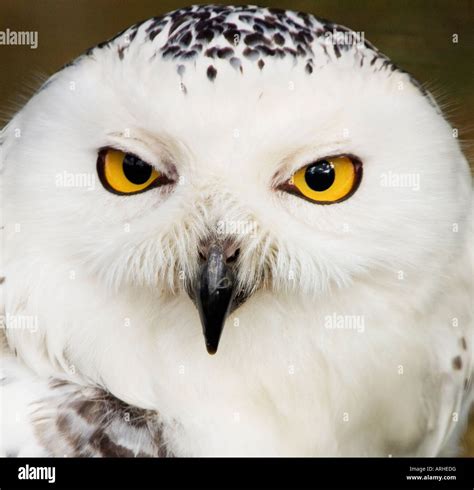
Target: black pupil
{"points": [[320, 175], [136, 170]]}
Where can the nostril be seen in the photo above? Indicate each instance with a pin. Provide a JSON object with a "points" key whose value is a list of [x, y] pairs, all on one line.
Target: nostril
{"points": [[234, 256], [220, 250]]}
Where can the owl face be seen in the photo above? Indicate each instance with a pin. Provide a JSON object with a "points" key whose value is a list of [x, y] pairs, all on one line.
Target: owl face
{"points": [[224, 177]]}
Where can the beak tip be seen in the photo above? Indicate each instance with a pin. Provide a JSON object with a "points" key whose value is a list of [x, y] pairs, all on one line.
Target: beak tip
{"points": [[212, 342], [211, 350]]}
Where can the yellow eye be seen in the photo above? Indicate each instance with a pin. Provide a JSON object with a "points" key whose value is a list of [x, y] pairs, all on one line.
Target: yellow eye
{"points": [[326, 181], [124, 173]]}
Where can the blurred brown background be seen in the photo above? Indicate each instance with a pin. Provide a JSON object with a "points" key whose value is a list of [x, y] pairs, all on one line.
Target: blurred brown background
{"points": [[415, 34]]}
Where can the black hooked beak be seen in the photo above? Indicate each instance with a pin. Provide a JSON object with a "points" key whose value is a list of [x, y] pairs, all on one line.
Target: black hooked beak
{"points": [[214, 292]]}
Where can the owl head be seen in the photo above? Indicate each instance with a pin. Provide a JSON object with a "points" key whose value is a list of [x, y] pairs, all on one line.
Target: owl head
{"points": [[217, 164]]}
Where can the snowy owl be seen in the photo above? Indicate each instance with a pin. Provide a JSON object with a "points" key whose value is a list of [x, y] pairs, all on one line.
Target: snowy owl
{"points": [[234, 231]]}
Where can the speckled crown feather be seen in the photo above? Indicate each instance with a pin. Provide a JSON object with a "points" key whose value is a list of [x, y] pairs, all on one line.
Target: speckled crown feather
{"points": [[242, 34]]}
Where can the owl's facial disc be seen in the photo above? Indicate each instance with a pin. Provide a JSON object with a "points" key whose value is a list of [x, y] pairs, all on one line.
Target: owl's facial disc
{"points": [[213, 291]]}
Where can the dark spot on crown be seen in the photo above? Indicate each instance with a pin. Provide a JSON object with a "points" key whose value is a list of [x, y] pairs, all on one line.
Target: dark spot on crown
{"points": [[219, 19], [457, 363], [305, 17], [203, 25], [153, 34], [197, 47], [232, 36], [229, 25], [132, 35], [178, 54], [225, 53], [211, 52], [300, 49], [463, 342], [211, 73], [154, 22], [189, 55], [218, 28], [266, 25], [168, 52], [265, 50], [185, 39], [206, 35], [308, 68], [290, 51], [252, 54], [298, 37], [279, 53], [279, 39], [2, 280], [261, 64], [245, 18], [203, 15], [181, 19], [104, 44], [255, 38]]}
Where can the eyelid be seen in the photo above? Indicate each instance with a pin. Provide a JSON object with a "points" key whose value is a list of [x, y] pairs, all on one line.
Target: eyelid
{"points": [[303, 158], [140, 149], [285, 175]]}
